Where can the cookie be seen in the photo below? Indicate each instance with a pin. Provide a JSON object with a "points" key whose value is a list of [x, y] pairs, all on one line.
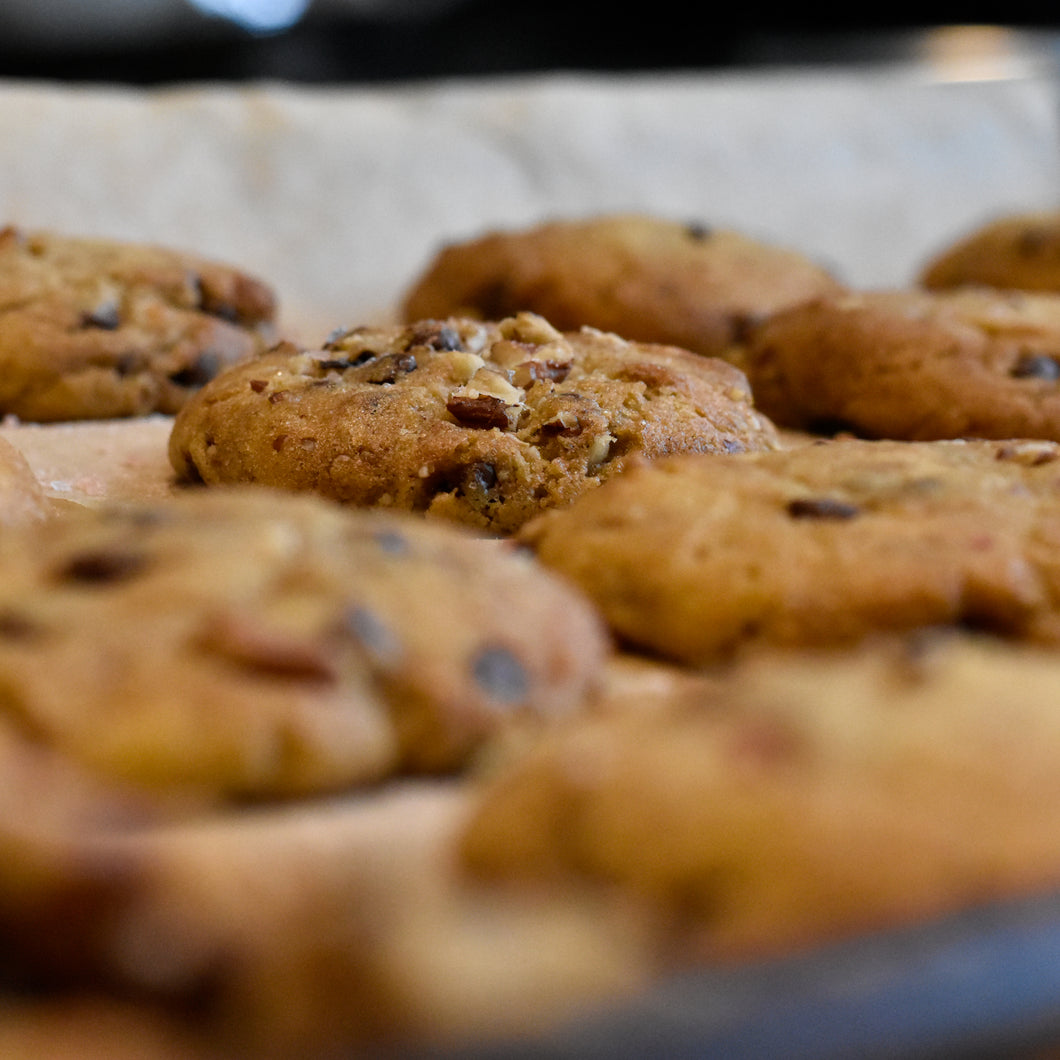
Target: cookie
{"points": [[320, 927], [239, 644], [95, 328], [693, 558], [647, 278], [912, 364], [1017, 251], [22, 499], [800, 797], [485, 424]]}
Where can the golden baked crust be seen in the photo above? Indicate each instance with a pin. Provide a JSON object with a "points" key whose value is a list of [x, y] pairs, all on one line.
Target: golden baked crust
{"points": [[95, 328], [800, 796], [1017, 251], [483, 424], [692, 557], [912, 364], [244, 644], [647, 278]]}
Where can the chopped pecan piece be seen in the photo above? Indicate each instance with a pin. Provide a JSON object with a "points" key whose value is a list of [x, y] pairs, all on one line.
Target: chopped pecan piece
{"points": [[483, 411]]}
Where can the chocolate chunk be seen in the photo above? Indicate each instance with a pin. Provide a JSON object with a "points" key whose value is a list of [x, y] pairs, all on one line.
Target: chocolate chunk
{"points": [[102, 566], [377, 639], [387, 369], [340, 364], [199, 372], [484, 411], [821, 508], [500, 674], [435, 336], [1036, 366], [392, 543], [698, 230], [106, 316]]}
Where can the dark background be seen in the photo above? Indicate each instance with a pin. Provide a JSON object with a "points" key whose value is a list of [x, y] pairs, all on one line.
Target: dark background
{"points": [[470, 38]]}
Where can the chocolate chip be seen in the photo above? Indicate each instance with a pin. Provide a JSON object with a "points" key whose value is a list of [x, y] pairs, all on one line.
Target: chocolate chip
{"points": [[198, 372], [482, 476], [102, 567], [698, 230], [340, 364], [500, 674], [378, 640], [16, 626], [106, 316], [1033, 242], [1036, 366], [392, 543], [259, 385], [483, 412], [435, 336], [821, 508]]}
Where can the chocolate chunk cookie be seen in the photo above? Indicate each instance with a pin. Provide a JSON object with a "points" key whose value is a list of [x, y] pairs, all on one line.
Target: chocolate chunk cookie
{"points": [[96, 328], [1020, 251], [485, 424], [800, 796], [646, 278], [912, 364], [244, 643], [695, 557]]}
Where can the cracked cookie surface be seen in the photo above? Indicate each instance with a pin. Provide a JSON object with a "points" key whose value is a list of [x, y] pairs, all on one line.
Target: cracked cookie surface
{"points": [[98, 328], [912, 364], [485, 424], [649, 279]]}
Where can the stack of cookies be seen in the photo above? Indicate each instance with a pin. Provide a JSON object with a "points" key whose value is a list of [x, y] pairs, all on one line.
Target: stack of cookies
{"points": [[644, 598]]}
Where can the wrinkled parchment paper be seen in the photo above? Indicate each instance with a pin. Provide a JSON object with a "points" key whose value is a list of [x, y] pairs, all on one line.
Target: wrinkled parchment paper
{"points": [[340, 195]]}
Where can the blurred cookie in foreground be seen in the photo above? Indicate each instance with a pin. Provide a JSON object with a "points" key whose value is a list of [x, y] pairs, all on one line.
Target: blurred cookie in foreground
{"points": [[1018, 251], [94, 328], [800, 797], [22, 499], [481, 423], [315, 928], [693, 558], [646, 278], [912, 364], [243, 644]]}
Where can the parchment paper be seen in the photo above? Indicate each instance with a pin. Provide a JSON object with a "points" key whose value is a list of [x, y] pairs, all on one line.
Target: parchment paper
{"points": [[339, 195]]}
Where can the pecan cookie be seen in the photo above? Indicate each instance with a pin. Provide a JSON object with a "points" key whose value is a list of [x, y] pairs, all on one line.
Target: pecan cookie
{"points": [[912, 364], [799, 796], [1020, 251], [646, 278], [693, 557], [97, 328], [237, 643], [482, 423]]}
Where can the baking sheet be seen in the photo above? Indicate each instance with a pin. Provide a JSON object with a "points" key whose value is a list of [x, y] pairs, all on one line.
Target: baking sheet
{"points": [[338, 197]]}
